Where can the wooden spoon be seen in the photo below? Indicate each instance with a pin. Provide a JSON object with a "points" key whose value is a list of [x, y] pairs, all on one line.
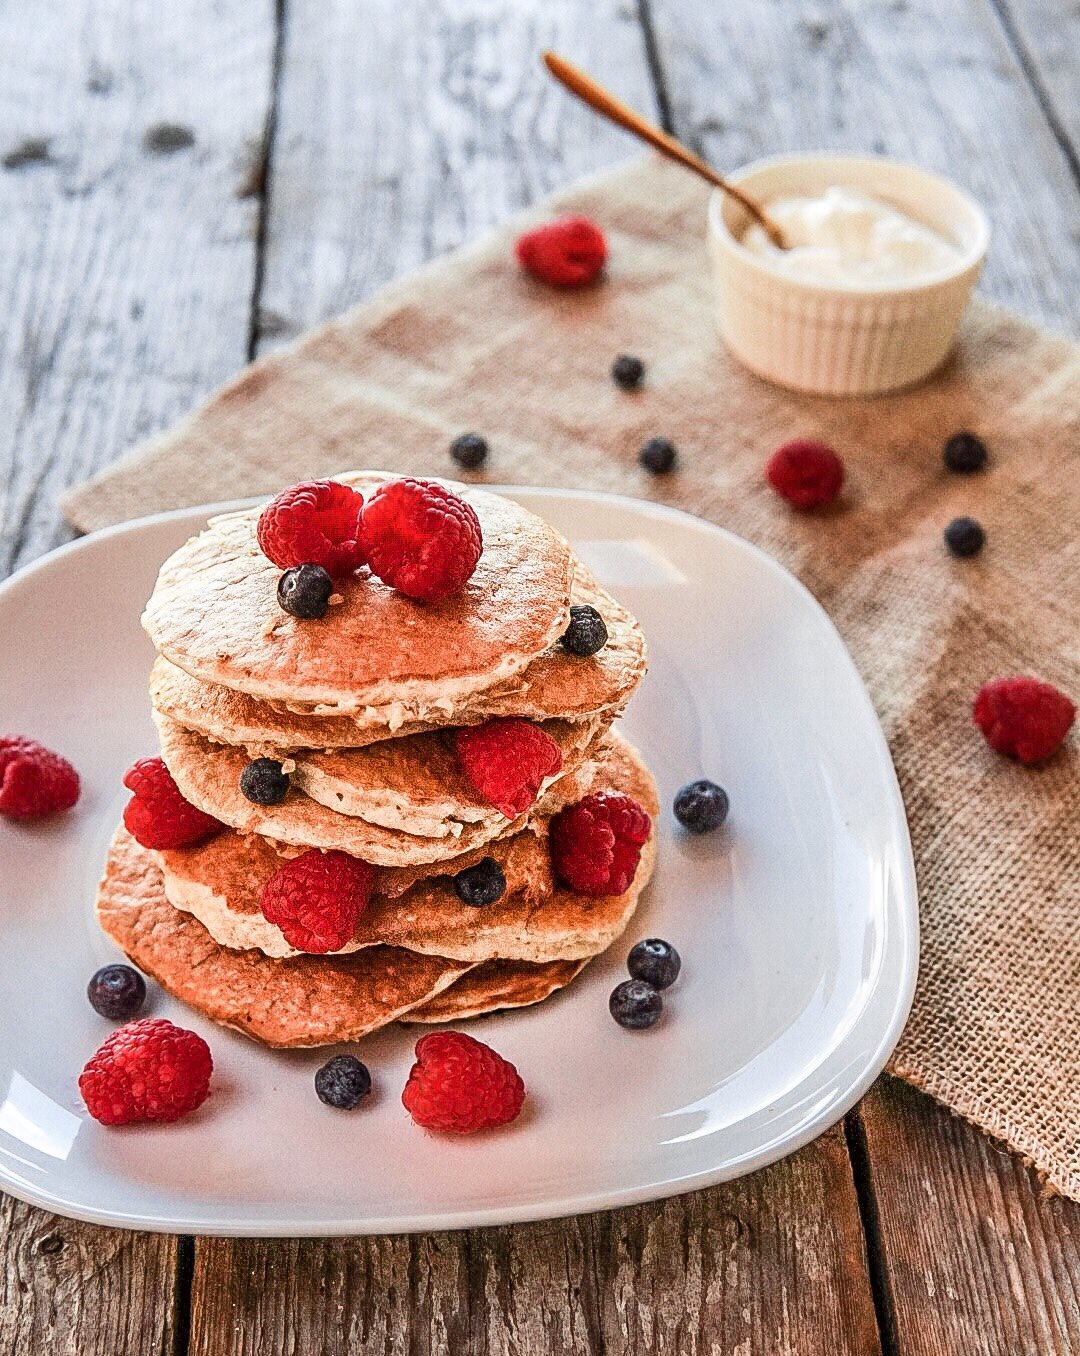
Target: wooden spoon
{"points": [[598, 98]]}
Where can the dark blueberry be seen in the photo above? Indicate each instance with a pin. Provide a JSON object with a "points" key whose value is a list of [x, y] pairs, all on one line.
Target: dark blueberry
{"points": [[701, 806], [304, 591], [265, 782], [481, 884], [964, 453], [627, 371], [470, 450], [657, 456], [117, 991], [635, 1004], [587, 631], [654, 961], [964, 537], [343, 1082]]}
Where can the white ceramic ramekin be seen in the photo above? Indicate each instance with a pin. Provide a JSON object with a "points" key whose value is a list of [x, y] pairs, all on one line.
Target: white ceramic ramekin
{"points": [[843, 340]]}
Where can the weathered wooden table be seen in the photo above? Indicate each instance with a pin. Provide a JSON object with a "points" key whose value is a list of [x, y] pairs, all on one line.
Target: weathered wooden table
{"points": [[184, 186]]}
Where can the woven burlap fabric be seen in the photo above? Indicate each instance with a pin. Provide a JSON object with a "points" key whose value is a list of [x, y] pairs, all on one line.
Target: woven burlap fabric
{"points": [[469, 343]]}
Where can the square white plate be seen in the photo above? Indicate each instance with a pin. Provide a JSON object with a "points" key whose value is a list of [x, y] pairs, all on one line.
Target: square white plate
{"points": [[797, 924]]}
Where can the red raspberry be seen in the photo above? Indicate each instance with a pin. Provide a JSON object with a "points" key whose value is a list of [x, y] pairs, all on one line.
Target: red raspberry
{"points": [[461, 1085], [596, 844], [805, 473], [506, 761], [148, 1070], [314, 523], [317, 898], [1023, 717], [34, 780], [157, 815], [569, 252], [421, 538]]}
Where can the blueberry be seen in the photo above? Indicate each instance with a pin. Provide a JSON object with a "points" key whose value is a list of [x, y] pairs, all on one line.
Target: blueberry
{"points": [[964, 537], [627, 371], [654, 961], [470, 450], [481, 884], [587, 631], [635, 1004], [264, 782], [657, 456], [304, 591], [116, 991], [701, 806], [343, 1082], [965, 453]]}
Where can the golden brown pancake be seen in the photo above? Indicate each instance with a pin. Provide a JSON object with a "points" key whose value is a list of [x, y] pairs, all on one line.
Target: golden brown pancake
{"points": [[214, 613], [496, 985], [310, 1000], [556, 683]]}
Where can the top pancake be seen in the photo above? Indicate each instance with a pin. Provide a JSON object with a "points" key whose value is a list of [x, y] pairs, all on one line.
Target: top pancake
{"points": [[214, 613]]}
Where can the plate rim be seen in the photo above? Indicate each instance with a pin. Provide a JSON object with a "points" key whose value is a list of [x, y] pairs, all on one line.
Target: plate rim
{"points": [[907, 940]]}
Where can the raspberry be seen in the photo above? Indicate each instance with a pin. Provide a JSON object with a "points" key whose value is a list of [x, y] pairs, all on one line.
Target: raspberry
{"points": [[596, 844], [157, 815], [461, 1085], [1023, 717], [317, 898], [148, 1070], [421, 538], [569, 252], [806, 474], [314, 523], [34, 780], [506, 762]]}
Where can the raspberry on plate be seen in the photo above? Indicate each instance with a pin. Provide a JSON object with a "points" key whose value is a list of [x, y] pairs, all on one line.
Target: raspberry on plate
{"points": [[805, 473], [34, 781], [317, 898], [1023, 717], [314, 523], [596, 844], [157, 815], [460, 1085], [421, 538], [568, 252], [148, 1070], [507, 761]]}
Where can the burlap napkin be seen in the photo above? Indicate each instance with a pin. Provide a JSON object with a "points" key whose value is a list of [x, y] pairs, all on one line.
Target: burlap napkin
{"points": [[469, 343]]}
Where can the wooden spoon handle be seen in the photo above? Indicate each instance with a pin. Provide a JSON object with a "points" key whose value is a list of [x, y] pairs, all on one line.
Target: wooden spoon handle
{"points": [[600, 99]]}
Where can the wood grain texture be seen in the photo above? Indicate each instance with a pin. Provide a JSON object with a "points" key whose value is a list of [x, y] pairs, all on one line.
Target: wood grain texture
{"points": [[937, 84], [127, 253], [69, 1289], [770, 1264], [977, 1258], [403, 131], [1046, 37]]}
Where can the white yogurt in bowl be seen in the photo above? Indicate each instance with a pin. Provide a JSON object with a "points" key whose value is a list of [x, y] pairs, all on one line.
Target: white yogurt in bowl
{"points": [[869, 298]]}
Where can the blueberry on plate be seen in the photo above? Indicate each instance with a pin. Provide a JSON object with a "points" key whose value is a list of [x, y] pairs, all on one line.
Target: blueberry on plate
{"points": [[343, 1082], [116, 991], [635, 1004], [469, 450], [264, 781], [304, 591], [964, 453], [964, 537], [627, 371], [654, 961], [701, 806], [657, 456]]}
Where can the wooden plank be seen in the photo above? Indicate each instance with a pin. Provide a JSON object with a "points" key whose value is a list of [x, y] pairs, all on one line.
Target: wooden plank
{"points": [[68, 1289], [770, 1264], [937, 84], [1045, 34], [127, 131], [977, 1258]]}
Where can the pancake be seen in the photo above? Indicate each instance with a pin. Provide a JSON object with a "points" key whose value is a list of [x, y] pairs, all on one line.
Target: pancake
{"points": [[208, 775], [214, 614], [554, 684], [221, 883], [495, 986], [302, 1002]]}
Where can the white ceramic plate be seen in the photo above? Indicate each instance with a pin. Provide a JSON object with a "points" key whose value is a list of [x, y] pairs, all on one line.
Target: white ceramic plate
{"points": [[797, 924]]}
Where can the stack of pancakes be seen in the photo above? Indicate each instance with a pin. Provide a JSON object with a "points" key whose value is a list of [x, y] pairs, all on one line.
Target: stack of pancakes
{"points": [[360, 709]]}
